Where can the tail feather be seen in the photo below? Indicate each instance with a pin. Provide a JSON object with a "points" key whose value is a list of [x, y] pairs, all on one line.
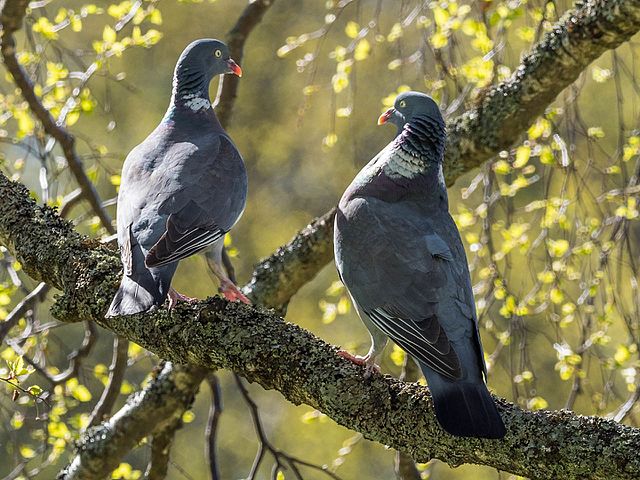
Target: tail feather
{"points": [[464, 408], [135, 295]]}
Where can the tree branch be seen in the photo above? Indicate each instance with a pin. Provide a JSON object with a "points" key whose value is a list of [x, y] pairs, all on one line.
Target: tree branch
{"points": [[236, 38], [404, 465], [157, 406], [282, 460], [263, 348], [580, 37], [161, 450], [11, 18], [211, 431], [274, 280], [278, 277], [116, 376], [503, 113]]}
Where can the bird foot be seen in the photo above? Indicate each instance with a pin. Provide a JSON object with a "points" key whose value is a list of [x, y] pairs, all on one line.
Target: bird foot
{"points": [[367, 362], [175, 297], [231, 292]]}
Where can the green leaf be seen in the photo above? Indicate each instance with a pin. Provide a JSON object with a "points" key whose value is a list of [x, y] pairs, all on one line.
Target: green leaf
{"points": [[188, 416], [155, 17], [45, 28], [27, 452], [622, 354], [557, 248], [362, 50], [523, 153], [352, 29], [78, 391], [35, 390], [502, 167], [537, 403], [109, 34], [595, 132]]}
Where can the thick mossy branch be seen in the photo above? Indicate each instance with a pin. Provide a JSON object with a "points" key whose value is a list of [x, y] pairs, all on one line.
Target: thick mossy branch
{"points": [[262, 347]]}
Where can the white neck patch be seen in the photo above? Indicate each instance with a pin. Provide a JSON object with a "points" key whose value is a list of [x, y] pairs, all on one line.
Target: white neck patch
{"points": [[403, 164], [195, 102]]}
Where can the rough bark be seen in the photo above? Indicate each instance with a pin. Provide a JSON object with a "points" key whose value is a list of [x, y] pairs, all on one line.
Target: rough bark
{"points": [[84, 464], [275, 280], [161, 448], [263, 348]]}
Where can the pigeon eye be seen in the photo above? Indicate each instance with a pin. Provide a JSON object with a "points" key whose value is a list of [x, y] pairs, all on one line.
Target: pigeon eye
{"points": [[403, 104], [218, 53]]}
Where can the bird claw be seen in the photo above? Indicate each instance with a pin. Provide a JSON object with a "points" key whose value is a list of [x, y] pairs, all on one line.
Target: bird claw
{"points": [[175, 297], [367, 362], [232, 293]]}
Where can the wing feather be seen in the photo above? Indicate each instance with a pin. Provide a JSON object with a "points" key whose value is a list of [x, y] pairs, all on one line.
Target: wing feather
{"points": [[406, 333], [178, 243]]}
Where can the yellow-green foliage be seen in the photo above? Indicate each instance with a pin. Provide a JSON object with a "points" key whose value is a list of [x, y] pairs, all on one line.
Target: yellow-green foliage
{"points": [[550, 225]]}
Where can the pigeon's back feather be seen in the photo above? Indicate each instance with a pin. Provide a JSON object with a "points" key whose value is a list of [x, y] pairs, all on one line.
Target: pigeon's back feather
{"points": [[182, 190], [383, 255], [211, 177]]}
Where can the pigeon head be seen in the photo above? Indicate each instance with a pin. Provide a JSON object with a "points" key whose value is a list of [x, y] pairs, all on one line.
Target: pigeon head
{"points": [[409, 105], [207, 57], [201, 61]]}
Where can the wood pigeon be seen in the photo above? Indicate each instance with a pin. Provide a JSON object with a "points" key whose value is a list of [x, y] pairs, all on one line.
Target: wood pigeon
{"points": [[400, 255], [182, 188]]}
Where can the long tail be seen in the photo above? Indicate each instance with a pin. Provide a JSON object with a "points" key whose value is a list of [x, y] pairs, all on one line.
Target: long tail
{"points": [[464, 408], [135, 295]]}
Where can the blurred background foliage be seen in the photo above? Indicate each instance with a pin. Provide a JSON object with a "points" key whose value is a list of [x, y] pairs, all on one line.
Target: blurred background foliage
{"points": [[550, 225]]}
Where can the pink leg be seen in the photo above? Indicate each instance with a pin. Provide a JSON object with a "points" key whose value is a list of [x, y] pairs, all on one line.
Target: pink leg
{"points": [[231, 292], [175, 297], [368, 362]]}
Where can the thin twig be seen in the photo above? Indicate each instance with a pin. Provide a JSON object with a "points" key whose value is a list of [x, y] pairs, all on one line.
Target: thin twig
{"points": [[75, 357], [116, 376], [215, 410], [38, 294], [282, 460]]}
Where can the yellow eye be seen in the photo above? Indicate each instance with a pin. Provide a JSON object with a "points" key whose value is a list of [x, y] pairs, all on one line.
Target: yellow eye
{"points": [[218, 53], [403, 104]]}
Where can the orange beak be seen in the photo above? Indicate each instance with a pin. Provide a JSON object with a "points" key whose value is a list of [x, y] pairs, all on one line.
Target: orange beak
{"points": [[234, 68], [384, 118]]}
